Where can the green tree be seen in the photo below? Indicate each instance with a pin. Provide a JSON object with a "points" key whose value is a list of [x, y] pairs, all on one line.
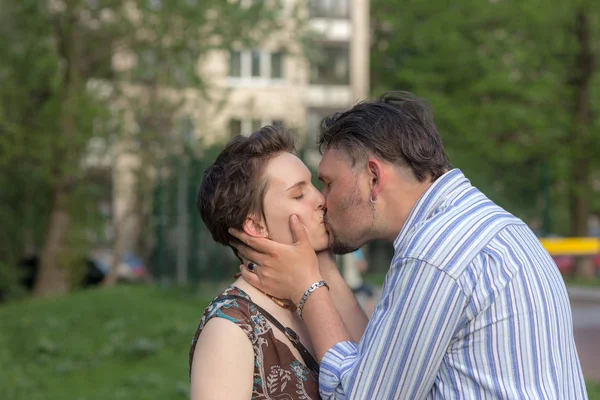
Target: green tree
{"points": [[513, 86], [61, 85]]}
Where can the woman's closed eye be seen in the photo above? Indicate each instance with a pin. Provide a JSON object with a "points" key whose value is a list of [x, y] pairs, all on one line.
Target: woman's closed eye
{"points": [[299, 197]]}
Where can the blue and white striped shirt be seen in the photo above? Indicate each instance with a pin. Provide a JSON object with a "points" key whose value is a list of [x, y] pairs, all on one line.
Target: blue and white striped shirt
{"points": [[472, 307]]}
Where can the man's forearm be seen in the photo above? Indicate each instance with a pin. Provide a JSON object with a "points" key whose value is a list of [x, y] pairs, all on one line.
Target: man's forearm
{"points": [[324, 322], [352, 314]]}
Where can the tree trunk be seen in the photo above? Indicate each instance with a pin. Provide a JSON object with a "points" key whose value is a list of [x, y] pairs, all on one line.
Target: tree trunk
{"points": [[117, 254], [52, 278], [125, 206], [121, 243], [579, 193]]}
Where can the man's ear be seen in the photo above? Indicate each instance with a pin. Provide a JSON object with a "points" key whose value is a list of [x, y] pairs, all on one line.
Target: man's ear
{"points": [[254, 227], [377, 176]]}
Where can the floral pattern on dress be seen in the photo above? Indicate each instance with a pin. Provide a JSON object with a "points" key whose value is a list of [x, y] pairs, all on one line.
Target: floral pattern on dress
{"points": [[278, 375]]}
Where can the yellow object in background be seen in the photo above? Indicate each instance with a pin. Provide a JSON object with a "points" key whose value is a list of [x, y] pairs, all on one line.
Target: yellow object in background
{"points": [[572, 246]]}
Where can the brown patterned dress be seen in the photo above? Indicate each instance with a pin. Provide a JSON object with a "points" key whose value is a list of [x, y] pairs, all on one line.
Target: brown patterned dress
{"points": [[277, 373]]}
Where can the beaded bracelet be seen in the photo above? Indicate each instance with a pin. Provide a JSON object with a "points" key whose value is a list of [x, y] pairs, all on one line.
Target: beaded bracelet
{"points": [[307, 293]]}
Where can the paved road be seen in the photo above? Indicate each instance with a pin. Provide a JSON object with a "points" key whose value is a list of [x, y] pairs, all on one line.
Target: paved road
{"points": [[586, 327]]}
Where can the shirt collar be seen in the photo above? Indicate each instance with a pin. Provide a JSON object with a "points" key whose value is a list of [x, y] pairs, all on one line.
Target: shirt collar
{"points": [[452, 181]]}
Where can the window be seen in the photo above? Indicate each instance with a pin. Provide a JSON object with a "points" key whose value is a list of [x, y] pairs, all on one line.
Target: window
{"points": [[235, 127], [249, 126], [256, 65], [255, 124], [331, 66], [277, 65], [235, 64], [329, 8]]}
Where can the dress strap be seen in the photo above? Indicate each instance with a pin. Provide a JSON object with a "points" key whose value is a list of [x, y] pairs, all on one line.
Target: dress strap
{"points": [[308, 358]]}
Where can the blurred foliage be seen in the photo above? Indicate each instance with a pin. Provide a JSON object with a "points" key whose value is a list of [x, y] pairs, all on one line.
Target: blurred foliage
{"points": [[118, 343], [502, 77], [78, 72], [10, 283]]}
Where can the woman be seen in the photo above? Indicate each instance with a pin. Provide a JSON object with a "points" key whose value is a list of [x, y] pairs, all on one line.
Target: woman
{"points": [[244, 346]]}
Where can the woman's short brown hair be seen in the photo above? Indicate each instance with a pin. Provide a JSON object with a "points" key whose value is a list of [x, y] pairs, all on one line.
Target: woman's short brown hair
{"points": [[234, 186]]}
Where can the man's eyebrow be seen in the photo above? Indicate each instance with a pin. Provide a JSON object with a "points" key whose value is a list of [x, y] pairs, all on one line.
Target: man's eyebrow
{"points": [[295, 185]]}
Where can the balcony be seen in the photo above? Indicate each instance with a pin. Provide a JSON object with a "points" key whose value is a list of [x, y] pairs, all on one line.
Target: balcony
{"points": [[320, 96], [329, 9], [333, 30]]}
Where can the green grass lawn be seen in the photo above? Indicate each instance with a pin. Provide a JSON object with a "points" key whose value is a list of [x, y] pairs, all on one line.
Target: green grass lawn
{"points": [[120, 343], [593, 389], [576, 281]]}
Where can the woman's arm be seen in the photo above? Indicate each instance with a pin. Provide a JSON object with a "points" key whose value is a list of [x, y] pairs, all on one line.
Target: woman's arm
{"points": [[223, 366], [353, 316]]}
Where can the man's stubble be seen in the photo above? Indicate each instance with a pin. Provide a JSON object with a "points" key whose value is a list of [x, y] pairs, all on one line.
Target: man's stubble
{"points": [[351, 203]]}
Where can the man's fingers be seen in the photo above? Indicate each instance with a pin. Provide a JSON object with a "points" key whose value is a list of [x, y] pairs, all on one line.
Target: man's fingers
{"points": [[261, 245], [248, 253], [299, 233], [240, 235]]}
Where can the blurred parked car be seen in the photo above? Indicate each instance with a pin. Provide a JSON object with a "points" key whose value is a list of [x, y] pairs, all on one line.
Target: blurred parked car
{"points": [[95, 268], [131, 268], [566, 264]]}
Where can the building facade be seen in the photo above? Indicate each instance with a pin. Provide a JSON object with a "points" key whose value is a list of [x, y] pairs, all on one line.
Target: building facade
{"points": [[286, 81], [316, 65]]}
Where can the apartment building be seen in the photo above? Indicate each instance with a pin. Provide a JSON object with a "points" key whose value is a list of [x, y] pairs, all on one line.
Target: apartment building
{"points": [[280, 81], [283, 81]]}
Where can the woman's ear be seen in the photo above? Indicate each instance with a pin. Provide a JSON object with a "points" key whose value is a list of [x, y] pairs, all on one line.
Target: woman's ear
{"points": [[254, 227]]}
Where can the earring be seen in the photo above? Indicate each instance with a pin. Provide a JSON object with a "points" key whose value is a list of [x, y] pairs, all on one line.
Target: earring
{"points": [[371, 199]]}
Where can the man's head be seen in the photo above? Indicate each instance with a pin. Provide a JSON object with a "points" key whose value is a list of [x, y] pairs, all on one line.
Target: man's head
{"points": [[378, 159]]}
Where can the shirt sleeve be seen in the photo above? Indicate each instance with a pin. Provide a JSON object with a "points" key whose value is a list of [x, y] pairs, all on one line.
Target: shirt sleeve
{"points": [[403, 346]]}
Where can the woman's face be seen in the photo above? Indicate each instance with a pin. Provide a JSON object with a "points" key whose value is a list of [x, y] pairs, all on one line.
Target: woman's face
{"points": [[290, 191]]}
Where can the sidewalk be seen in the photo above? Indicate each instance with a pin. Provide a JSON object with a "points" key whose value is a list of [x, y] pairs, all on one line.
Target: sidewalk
{"points": [[584, 293]]}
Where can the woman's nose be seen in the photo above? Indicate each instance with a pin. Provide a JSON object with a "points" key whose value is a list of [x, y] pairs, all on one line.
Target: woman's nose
{"points": [[321, 200]]}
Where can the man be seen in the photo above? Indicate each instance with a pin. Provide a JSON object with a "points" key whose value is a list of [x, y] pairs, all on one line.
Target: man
{"points": [[472, 306]]}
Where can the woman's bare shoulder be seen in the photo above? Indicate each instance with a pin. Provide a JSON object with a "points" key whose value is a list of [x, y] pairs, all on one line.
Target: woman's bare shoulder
{"points": [[223, 355]]}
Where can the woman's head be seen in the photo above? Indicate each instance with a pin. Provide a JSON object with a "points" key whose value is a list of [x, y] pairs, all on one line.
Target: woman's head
{"points": [[255, 185]]}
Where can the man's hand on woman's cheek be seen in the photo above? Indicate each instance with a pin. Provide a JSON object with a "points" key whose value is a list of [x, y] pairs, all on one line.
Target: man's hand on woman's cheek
{"points": [[282, 270]]}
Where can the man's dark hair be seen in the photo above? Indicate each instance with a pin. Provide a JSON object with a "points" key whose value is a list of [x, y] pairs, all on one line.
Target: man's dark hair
{"points": [[397, 128], [234, 186]]}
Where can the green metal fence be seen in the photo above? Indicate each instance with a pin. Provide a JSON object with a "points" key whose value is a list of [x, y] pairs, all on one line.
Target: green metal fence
{"points": [[184, 252]]}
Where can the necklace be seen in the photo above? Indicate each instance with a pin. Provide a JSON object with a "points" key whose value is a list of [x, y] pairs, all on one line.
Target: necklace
{"points": [[279, 302]]}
